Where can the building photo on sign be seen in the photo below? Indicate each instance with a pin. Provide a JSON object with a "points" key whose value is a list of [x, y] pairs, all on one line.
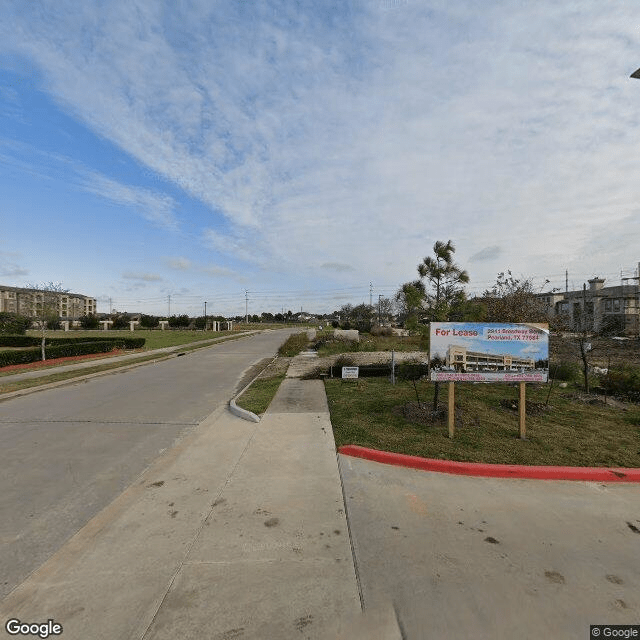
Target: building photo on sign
{"points": [[489, 352]]}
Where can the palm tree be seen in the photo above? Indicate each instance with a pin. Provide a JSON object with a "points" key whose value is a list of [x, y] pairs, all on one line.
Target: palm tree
{"points": [[445, 278]]}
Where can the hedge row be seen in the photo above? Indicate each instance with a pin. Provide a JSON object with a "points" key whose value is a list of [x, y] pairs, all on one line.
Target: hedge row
{"points": [[34, 341], [62, 350]]}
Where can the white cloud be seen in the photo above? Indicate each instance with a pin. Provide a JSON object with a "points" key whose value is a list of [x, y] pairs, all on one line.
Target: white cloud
{"points": [[155, 207], [9, 267], [369, 132], [144, 277], [180, 264]]}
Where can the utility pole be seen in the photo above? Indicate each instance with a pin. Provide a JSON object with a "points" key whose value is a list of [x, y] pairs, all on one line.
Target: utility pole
{"points": [[371, 294], [246, 306], [566, 281], [169, 312], [379, 310], [205, 315]]}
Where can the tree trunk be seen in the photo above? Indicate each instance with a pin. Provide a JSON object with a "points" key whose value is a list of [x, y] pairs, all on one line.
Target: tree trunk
{"points": [[585, 366], [436, 396], [42, 346]]}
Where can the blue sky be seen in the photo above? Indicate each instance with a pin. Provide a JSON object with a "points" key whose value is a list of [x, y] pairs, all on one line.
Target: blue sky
{"points": [[303, 150]]}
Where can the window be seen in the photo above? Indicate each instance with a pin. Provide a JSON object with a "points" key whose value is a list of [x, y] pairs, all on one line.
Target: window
{"points": [[608, 305], [616, 306]]}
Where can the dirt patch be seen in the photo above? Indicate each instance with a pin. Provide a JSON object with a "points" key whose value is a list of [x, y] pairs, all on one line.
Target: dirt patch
{"points": [[422, 413]]}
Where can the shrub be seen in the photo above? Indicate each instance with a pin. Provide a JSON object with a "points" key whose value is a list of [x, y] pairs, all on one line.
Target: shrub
{"points": [[176, 322], [149, 322], [121, 321], [624, 382], [61, 347], [566, 371], [12, 323], [381, 331], [89, 321]]}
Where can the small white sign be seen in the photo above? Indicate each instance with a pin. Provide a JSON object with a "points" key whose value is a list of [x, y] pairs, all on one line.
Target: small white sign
{"points": [[350, 372]]}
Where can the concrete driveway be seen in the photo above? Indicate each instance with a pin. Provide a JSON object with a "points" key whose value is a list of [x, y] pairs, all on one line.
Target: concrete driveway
{"points": [[461, 557]]}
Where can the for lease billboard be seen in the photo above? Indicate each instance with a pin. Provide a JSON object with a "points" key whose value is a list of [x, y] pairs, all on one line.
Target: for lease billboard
{"points": [[489, 352]]}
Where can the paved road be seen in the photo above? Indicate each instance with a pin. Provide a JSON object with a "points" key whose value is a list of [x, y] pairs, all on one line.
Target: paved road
{"points": [[65, 453], [486, 558]]}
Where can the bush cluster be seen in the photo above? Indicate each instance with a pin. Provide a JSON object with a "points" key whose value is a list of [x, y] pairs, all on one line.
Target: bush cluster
{"points": [[63, 347], [623, 382], [33, 341], [566, 371], [13, 323]]}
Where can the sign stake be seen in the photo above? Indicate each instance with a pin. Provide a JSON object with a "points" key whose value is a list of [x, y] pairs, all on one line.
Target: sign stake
{"points": [[523, 411], [451, 408]]}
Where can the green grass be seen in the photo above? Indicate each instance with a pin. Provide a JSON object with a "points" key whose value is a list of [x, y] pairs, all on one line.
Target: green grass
{"points": [[293, 345], [329, 347], [570, 432], [259, 395]]}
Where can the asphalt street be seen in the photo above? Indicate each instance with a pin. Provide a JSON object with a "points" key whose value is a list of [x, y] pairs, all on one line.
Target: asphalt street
{"points": [[66, 453], [485, 558]]}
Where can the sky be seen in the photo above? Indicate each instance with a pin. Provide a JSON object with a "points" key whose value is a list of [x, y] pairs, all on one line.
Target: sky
{"points": [[304, 155]]}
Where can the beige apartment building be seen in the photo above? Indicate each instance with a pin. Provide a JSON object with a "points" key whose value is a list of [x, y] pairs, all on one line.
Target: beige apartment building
{"points": [[598, 308], [460, 359], [29, 302]]}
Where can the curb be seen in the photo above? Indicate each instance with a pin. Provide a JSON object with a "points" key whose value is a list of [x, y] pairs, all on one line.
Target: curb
{"points": [[587, 474], [242, 413], [245, 414]]}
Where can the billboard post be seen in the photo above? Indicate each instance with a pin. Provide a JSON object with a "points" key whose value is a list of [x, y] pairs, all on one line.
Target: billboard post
{"points": [[452, 405]]}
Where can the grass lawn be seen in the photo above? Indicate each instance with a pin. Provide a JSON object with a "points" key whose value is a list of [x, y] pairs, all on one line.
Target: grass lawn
{"points": [[571, 431], [259, 395]]}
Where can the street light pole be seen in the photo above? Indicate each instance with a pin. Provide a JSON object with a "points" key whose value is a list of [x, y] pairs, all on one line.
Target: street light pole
{"points": [[205, 315]]}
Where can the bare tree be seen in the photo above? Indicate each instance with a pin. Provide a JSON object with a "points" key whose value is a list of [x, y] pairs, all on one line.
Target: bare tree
{"points": [[45, 305], [514, 300]]}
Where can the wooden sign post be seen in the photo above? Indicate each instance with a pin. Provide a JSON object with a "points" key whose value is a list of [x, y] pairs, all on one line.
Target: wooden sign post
{"points": [[523, 411], [452, 413]]}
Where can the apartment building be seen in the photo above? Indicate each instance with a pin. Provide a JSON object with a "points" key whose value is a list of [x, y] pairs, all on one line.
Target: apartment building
{"points": [[459, 358], [29, 302], [613, 309]]}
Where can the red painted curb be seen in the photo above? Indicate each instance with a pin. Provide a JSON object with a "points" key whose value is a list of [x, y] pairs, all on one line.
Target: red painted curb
{"points": [[593, 474]]}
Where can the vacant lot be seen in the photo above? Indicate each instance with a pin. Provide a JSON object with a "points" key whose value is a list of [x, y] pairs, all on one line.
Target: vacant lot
{"points": [[572, 429]]}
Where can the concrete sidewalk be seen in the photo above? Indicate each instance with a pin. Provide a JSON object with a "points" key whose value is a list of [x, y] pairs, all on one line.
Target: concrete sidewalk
{"points": [[105, 359], [238, 532]]}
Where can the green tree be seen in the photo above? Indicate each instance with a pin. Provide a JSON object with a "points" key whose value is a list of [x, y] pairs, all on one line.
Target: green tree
{"points": [[445, 292], [89, 321], [149, 322], [12, 323], [444, 278], [409, 303], [121, 321]]}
